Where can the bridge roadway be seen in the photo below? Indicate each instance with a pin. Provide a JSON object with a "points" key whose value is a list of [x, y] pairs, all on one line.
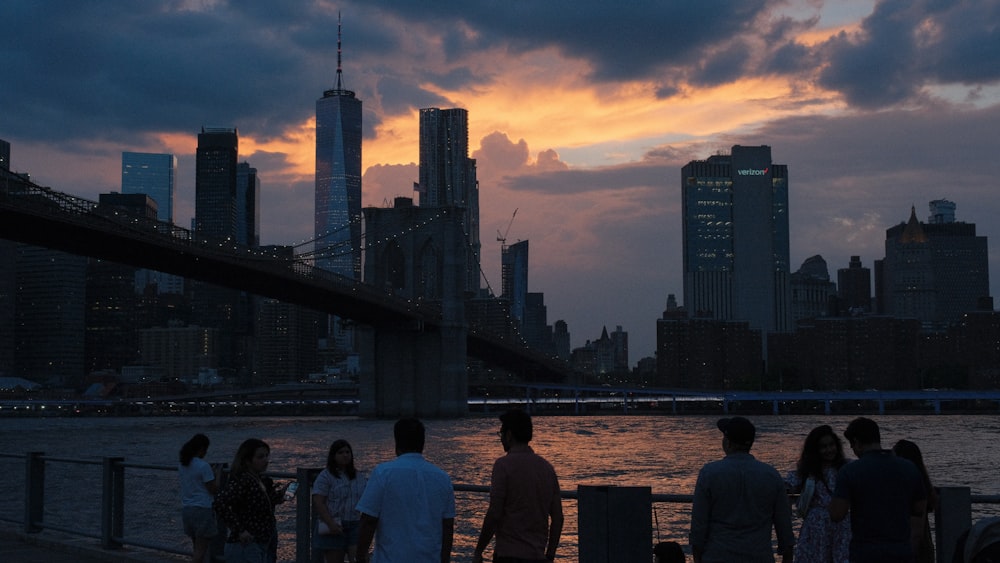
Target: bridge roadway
{"points": [[41, 216]]}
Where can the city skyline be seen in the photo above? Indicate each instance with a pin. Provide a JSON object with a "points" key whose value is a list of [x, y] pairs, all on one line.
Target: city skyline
{"points": [[579, 118]]}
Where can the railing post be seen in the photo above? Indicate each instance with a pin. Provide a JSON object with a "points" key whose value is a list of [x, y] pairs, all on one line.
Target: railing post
{"points": [[614, 524], [34, 492], [113, 503], [303, 514], [952, 518]]}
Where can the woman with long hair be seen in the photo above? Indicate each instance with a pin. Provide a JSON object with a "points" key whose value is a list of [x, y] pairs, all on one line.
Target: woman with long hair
{"points": [[199, 482], [335, 493], [244, 504], [814, 479], [908, 450]]}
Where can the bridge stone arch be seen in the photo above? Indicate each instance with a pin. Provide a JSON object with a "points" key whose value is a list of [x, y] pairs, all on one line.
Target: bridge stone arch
{"points": [[408, 369]]}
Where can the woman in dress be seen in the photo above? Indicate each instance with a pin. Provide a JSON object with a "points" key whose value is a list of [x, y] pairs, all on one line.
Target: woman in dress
{"points": [[908, 450], [820, 540], [244, 504], [335, 494], [199, 483]]}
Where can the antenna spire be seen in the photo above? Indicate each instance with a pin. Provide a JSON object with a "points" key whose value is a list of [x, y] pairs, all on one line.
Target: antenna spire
{"points": [[340, 71]]}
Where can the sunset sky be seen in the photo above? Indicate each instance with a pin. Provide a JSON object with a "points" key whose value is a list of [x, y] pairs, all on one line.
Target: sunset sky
{"points": [[581, 116]]}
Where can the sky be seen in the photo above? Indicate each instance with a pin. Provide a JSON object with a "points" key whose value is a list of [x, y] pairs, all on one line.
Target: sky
{"points": [[581, 115]]}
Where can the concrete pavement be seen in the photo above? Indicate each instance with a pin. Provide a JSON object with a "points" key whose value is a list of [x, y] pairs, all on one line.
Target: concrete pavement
{"points": [[55, 547]]}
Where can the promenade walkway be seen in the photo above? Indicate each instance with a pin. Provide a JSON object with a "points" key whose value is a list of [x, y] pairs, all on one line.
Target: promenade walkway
{"points": [[54, 547]]}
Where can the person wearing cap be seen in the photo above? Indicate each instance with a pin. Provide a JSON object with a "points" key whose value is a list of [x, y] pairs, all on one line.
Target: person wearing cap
{"points": [[884, 495], [737, 502]]}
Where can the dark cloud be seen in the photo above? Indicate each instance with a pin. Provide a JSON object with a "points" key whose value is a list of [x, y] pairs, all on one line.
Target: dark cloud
{"points": [[905, 45], [723, 66]]}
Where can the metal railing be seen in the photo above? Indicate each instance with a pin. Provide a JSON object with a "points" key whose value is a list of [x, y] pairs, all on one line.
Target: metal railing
{"points": [[127, 504]]}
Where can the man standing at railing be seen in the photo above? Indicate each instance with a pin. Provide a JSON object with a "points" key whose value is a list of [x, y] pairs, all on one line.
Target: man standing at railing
{"points": [[885, 496], [525, 511], [408, 506], [737, 500]]}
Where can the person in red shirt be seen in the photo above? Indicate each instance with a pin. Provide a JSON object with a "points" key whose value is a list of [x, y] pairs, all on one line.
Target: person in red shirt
{"points": [[525, 512]]}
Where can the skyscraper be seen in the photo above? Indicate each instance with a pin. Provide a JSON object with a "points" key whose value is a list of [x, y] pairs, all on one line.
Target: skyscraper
{"points": [[448, 175], [4, 154], [337, 219], [514, 278], [735, 232], [933, 271], [247, 205], [154, 175], [215, 184], [854, 286]]}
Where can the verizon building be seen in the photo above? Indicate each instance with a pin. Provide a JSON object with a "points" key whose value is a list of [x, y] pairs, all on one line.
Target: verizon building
{"points": [[735, 212]]}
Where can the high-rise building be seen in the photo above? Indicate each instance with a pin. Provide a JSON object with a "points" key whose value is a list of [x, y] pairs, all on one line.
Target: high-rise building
{"points": [[4, 154], [813, 293], [854, 286], [514, 278], [247, 205], [215, 184], [448, 175], [337, 219], [736, 238], [154, 175], [933, 271]]}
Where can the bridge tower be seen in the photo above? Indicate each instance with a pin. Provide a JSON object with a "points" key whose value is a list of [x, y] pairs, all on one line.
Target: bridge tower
{"points": [[416, 253]]}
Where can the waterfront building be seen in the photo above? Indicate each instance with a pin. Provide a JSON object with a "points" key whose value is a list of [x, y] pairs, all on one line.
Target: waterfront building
{"points": [[216, 219], [848, 353], [448, 176], [933, 271], [813, 294], [736, 239], [247, 205], [561, 339], [8, 295], [514, 278], [706, 353], [181, 351], [215, 184], [535, 330], [154, 175], [854, 287], [112, 304], [50, 316], [4, 155], [337, 213]]}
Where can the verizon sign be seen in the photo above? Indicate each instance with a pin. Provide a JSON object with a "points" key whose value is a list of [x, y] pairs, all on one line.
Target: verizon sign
{"points": [[752, 172]]}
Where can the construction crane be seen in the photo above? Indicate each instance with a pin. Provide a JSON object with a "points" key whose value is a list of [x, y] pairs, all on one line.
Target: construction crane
{"points": [[502, 238]]}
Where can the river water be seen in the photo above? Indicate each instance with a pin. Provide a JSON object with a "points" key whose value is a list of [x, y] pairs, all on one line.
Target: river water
{"points": [[662, 452]]}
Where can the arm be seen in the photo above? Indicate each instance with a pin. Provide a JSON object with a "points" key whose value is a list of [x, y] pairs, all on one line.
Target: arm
{"points": [[323, 512], [366, 532], [225, 505], [555, 527], [918, 513], [783, 524], [447, 538], [839, 508], [699, 520], [489, 528]]}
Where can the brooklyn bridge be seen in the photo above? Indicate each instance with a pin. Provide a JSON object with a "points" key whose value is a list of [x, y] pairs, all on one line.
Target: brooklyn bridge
{"points": [[413, 349]]}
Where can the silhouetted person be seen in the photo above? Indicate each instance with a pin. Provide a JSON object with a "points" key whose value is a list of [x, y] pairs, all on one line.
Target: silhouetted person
{"points": [[408, 506], [884, 495], [737, 501], [525, 511], [910, 451], [669, 552]]}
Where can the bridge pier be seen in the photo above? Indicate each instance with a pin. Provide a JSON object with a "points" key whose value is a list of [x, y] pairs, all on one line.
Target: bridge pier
{"points": [[407, 368]]}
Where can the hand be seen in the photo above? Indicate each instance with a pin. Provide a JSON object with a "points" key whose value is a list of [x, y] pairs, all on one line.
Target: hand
{"points": [[246, 537]]}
